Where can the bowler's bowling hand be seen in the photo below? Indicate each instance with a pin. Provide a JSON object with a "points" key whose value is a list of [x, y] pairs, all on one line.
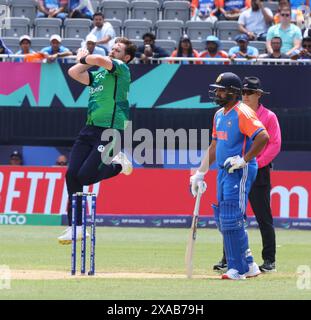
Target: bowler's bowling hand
{"points": [[81, 53]]}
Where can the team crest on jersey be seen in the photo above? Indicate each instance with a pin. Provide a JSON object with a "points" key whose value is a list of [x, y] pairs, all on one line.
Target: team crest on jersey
{"points": [[219, 78], [229, 123], [100, 75]]}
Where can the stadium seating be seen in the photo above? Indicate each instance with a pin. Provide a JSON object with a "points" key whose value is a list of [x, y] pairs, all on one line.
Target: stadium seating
{"points": [[137, 42], [95, 5], [227, 30], [176, 10], [117, 26], [168, 19], [135, 29], [169, 29], [260, 45], [18, 27], [12, 43], [227, 45], [273, 5], [116, 9], [168, 45], [73, 44], [146, 10], [45, 27], [39, 43], [23, 9], [198, 45], [199, 30], [77, 28]]}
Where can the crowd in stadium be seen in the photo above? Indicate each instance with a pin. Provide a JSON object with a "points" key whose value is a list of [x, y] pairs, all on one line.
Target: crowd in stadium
{"points": [[258, 29]]}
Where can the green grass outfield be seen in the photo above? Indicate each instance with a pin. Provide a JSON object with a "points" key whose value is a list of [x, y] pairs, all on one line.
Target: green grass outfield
{"points": [[144, 252]]}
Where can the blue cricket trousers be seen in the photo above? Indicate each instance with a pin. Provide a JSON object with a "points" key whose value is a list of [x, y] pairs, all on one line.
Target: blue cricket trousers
{"points": [[86, 166]]}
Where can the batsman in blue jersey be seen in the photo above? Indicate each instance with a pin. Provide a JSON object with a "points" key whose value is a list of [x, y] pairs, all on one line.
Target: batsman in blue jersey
{"points": [[238, 136]]}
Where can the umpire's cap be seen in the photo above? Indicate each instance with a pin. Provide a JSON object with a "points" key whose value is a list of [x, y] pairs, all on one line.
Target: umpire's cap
{"points": [[253, 83], [228, 80]]}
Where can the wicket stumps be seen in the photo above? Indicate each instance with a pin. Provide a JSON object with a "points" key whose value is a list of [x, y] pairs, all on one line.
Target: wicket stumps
{"points": [[83, 233]]}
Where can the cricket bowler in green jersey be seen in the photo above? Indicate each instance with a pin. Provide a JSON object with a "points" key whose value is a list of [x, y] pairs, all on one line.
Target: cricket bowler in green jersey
{"points": [[108, 108]]}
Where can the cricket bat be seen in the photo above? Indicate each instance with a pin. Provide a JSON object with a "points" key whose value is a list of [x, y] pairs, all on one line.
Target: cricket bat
{"points": [[192, 237]]}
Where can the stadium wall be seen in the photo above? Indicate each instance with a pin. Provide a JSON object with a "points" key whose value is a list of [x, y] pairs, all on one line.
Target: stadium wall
{"points": [[41, 105]]}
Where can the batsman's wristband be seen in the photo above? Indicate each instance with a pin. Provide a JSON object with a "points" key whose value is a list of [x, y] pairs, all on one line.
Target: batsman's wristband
{"points": [[83, 60]]}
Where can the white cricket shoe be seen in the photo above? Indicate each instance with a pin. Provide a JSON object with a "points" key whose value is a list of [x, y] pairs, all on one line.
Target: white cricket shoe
{"points": [[126, 164], [66, 237], [233, 274], [253, 271]]}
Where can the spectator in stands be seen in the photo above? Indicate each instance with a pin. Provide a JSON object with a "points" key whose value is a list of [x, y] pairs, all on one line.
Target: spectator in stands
{"points": [[61, 161], [213, 50], [92, 48], [4, 49], [231, 9], [16, 158], [29, 54], [243, 50], [255, 21], [276, 44], [203, 10], [185, 50], [305, 51], [302, 17], [80, 9], [295, 4], [296, 16], [287, 31], [52, 9], [149, 49], [104, 32], [56, 51], [25, 47]]}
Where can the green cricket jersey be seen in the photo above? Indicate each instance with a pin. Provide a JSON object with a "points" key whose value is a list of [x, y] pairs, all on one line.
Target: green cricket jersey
{"points": [[108, 102]]}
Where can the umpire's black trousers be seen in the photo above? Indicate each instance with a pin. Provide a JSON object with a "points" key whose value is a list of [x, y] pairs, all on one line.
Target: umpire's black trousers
{"points": [[86, 166], [259, 198]]}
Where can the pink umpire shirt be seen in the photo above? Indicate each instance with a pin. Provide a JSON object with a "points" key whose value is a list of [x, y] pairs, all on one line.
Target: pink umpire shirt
{"points": [[273, 147]]}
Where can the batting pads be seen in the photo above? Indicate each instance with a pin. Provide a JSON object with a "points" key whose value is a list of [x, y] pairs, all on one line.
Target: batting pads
{"points": [[235, 237]]}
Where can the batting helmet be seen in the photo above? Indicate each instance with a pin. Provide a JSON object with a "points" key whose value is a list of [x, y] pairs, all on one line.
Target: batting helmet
{"points": [[229, 81]]}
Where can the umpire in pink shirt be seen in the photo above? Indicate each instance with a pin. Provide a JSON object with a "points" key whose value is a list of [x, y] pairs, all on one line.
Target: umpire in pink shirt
{"points": [[259, 195]]}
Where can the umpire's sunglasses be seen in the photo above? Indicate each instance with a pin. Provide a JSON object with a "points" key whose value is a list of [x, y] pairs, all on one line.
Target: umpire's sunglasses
{"points": [[248, 92]]}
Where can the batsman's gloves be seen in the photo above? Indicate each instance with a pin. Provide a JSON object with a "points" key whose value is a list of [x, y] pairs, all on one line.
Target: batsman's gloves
{"points": [[233, 163], [197, 183]]}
